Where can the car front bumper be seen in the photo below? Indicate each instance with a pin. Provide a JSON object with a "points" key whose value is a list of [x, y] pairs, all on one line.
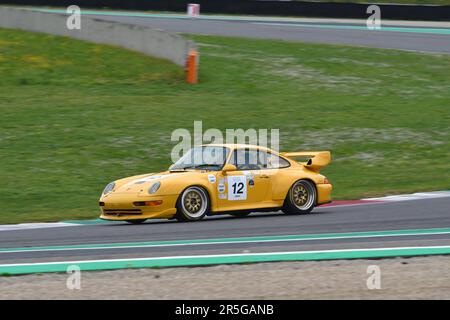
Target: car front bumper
{"points": [[120, 207]]}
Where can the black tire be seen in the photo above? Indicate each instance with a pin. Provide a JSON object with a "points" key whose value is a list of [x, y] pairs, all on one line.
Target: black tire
{"points": [[301, 198], [193, 204], [136, 221]]}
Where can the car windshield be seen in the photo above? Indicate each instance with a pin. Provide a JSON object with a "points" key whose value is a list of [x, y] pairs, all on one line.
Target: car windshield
{"points": [[204, 158]]}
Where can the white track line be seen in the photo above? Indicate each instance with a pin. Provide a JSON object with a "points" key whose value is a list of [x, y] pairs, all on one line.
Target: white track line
{"points": [[218, 242], [28, 226], [226, 255]]}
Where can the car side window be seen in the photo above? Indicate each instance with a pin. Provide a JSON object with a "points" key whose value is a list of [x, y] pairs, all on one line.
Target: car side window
{"points": [[276, 162], [247, 159]]}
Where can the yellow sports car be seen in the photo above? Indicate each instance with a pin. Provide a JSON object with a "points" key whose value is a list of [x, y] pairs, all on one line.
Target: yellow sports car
{"points": [[226, 178]]}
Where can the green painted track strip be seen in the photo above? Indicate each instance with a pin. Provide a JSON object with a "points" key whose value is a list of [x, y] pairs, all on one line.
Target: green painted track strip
{"points": [[259, 239], [256, 20], [222, 259]]}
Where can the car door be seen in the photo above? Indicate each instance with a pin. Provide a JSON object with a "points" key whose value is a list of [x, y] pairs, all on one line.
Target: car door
{"points": [[246, 188]]}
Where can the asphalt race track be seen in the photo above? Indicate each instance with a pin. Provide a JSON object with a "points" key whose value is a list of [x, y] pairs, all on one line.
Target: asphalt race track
{"points": [[394, 37], [404, 215]]}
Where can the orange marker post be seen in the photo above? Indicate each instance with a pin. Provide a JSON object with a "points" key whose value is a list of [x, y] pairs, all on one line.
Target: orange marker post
{"points": [[192, 67]]}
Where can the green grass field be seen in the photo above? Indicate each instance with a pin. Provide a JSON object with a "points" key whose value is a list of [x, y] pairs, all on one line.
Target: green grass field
{"points": [[75, 115]]}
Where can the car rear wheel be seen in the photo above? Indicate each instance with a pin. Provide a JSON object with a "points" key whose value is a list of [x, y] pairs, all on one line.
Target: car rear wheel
{"points": [[193, 204], [301, 198], [136, 221]]}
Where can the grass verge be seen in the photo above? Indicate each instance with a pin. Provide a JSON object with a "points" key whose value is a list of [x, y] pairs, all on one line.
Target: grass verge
{"points": [[76, 115]]}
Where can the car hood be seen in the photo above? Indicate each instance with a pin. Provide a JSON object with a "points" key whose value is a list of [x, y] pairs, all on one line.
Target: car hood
{"points": [[140, 184]]}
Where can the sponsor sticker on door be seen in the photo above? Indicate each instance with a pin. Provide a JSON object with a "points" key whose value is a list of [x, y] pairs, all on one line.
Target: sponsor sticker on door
{"points": [[221, 187]]}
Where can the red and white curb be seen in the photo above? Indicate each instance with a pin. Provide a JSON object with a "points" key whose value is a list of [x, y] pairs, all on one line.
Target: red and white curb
{"points": [[336, 203], [413, 196], [387, 199]]}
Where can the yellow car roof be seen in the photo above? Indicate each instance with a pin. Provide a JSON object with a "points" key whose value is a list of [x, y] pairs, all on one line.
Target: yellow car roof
{"points": [[233, 146]]}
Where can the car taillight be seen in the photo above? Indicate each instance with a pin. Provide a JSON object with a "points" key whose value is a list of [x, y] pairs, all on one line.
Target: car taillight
{"points": [[326, 181]]}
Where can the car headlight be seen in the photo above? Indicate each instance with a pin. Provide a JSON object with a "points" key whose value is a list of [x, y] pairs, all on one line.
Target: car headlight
{"points": [[109, 188], [154, 187]]}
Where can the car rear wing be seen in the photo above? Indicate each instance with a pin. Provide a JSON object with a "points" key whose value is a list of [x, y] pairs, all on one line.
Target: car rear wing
{"points": [[316, 160]]}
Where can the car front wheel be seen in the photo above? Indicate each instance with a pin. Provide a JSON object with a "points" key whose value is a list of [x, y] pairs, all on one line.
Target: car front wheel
{"points": [[301, 198]]}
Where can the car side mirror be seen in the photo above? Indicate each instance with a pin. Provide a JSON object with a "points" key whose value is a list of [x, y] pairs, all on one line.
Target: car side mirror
{"points": [[229, 167]]}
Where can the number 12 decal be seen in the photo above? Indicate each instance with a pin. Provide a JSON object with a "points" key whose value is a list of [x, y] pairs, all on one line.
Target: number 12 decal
{"points": [[237, 187]]}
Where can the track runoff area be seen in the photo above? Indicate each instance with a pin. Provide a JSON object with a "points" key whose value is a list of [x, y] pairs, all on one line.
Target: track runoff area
{"points": [[405, 225]]}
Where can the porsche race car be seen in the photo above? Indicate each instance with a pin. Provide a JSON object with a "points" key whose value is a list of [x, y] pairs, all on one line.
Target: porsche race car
{"points": [[221, 178]]}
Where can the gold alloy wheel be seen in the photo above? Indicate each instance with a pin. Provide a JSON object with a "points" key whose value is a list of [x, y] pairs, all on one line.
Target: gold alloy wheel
{"points": [[194, 202], [300, 195], [303, 195]]}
